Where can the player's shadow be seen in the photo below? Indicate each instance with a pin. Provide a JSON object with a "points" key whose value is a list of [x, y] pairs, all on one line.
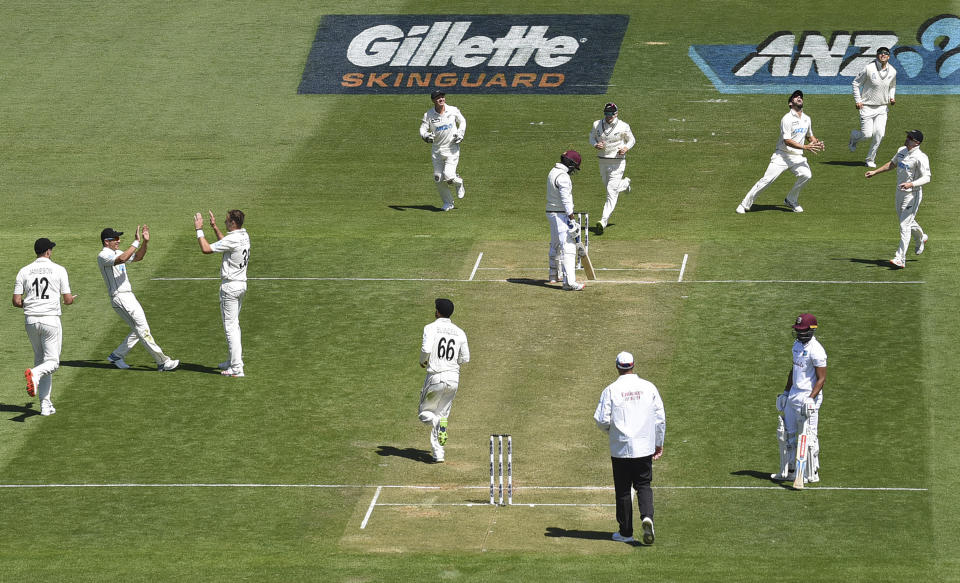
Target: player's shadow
{"points": [[557, 532], [769, 207], [531, 281], [417, 455], [878, 262], [844, 163], [24, 412], [416, 207], [765, 476], [152, 368]]}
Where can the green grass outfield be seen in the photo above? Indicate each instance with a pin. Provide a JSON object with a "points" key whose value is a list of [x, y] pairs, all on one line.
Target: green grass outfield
{"points": [[121, 113]]}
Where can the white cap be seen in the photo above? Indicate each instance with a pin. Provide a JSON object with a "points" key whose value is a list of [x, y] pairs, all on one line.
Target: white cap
{"points": [[624, 361]]}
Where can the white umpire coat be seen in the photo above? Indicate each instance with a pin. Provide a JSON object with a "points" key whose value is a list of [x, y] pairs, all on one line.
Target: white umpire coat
{"points": [[631, 410]]}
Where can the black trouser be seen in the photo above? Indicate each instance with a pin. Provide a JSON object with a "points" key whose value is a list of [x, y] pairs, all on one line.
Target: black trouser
{"points": [[635, 472]]}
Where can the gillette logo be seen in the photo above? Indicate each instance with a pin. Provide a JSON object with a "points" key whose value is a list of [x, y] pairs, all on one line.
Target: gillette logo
{"points": [[473, 54], [442, 44]]}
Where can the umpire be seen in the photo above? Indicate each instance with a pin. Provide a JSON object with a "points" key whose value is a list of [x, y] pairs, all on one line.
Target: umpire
{"points": [[631, 411]]}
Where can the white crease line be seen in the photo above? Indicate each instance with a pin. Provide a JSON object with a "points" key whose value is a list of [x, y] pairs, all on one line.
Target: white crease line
{"points": [[596, 281], [373, 503], [683, 267], [483, 487], [475, 266]]}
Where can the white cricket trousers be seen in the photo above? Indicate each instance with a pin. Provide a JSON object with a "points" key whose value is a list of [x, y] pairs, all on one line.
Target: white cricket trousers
{"points": [[46, 337], [873, 126], [908, 203], [231, 300], [436, 400], [778, 163], [611, 172], [126, 305], [563, 253], [445, 174]]}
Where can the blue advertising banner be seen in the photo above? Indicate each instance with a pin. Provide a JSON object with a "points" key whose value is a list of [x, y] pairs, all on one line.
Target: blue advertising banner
{"points": [[782, 62], [499, 53]]}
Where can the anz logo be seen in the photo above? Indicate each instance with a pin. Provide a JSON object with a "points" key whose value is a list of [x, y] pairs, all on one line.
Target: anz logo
{"points": [[782, 63]]}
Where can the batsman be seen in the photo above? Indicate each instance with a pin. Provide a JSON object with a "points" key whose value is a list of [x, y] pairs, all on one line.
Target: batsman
{"points": [[799, 404]]}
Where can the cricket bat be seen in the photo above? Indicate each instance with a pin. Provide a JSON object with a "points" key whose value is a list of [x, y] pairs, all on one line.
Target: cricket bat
{"points": [[801, 457], [588, 265]]}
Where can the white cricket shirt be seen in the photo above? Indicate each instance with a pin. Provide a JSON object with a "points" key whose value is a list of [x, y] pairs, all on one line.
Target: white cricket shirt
{"points": [[559, 189], [114, 275], [444, 347], [630, 408], [875, 86], [794, 127], [235, 247], [445, 128], [41, 284], [614, 136], [912, 166], [806, 358]]}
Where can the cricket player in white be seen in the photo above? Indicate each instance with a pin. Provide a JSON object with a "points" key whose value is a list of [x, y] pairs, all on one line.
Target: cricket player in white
{"points": [[443, 349], [38, 290], [235, 247], [874, 88], [612, 138], [563, 246], [804, 395], [913, 171], [444, 126], [631, 412], [113, 268], [796, 131]]}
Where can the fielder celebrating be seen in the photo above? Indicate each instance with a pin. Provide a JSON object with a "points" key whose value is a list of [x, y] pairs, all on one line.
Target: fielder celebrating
{"points": [[443, 349], [873, 90], [631, 412], [913, 171], [612, 138], [38, 290], [563, 228], [444, 126], [795, 132], [801, 400], [113, 268], [235, 247]]}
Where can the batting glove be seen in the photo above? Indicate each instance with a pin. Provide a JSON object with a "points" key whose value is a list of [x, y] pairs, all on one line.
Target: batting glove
{"points": [[809, 407], [457, 139], [428, 139], [781, 402]]}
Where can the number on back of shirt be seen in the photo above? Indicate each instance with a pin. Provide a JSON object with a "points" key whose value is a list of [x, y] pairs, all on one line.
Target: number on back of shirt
{"points": [[447, 348], [40, 286]]}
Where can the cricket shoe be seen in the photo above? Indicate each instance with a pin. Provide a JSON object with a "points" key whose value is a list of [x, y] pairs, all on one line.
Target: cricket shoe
{"points": [[232, 372], [460, 191], [622, 539], [46, 408], [117, 361], [870, 164], [600, 227], [783, 477], [796, 208], [920, 245], [31, 386], [852, 144], [628, 188], [741, 210], [647, 526], [897, 263], [168, 366], [577, 286], [442, 431]]}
